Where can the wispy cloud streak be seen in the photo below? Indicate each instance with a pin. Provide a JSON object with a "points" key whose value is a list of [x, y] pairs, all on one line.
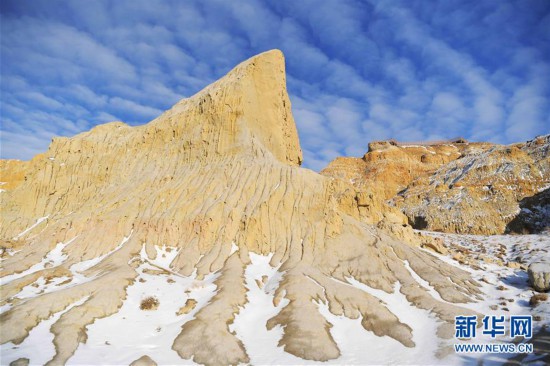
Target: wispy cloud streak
{"points": [[357, 71]]}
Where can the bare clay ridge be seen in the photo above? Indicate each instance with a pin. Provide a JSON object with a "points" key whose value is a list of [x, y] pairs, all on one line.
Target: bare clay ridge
{"points": [[219, 169]]}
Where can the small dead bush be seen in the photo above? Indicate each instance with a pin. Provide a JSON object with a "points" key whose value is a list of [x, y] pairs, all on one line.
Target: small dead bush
{"points": [[149, 303], [537, 299]]}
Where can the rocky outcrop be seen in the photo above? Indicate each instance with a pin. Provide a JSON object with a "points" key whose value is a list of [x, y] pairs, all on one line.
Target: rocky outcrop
{"points": [[539, 276], [457, 187], [371, 202], [390, 167], [20, 362], [144, 361], [189, 305], [534, 215], [216, 177]]}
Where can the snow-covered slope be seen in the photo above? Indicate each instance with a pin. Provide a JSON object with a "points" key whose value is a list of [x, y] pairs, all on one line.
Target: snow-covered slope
{"points": [[132, 332]]}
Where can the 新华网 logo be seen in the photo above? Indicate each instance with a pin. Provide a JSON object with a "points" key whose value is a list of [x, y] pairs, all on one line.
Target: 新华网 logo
{"points": [[466, 328]]}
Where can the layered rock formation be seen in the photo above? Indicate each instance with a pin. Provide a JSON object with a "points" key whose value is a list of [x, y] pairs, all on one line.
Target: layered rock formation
{"points": [[457, 187], [216, 177]]}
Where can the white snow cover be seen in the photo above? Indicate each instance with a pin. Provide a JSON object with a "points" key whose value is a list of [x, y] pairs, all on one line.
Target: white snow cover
{"points": [[165, 256], [54, 258], [38, 346], [359, 346], [40, 286], [114, 340], [425, 284], [505, 290], [234, 248], [132, 332], [250, 324]]}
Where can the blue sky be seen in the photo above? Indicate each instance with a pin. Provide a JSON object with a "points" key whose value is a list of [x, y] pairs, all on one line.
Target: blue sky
{"points": [[357, 70]]}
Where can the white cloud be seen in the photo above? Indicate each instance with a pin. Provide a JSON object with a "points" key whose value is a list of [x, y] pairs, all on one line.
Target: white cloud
{"points": [[40, 99], [356, 71], [125, 106], [446, 102]]}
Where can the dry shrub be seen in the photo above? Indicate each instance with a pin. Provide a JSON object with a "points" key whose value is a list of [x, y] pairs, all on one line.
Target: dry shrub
{"points": [[149, 303], [537, 298]]}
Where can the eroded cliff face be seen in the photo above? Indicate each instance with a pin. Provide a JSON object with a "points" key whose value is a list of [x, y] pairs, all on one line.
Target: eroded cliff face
{"points": [[456, 187], [12, 173], [216, 177]]}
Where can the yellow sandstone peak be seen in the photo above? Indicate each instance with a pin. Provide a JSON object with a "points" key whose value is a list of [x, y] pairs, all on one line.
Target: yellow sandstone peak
{"points": [[246, 111], [215, 178]]}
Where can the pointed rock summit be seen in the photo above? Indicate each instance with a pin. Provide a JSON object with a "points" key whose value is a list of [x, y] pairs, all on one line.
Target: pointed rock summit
{"points": [[210, 197], [247, 111]]}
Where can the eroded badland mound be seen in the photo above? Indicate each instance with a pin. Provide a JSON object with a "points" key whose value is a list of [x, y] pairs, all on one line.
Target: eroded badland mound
{"points": [[217, 177], [456, 186]]}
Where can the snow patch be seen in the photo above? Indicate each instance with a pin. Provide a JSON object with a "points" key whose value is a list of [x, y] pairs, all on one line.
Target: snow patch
{"points": [[165, 256], [250, 323], [38, 346], [38, 222], [40, 286], [130, 333], [425, 284], [234, 248], [54, 258], [358, 345]]}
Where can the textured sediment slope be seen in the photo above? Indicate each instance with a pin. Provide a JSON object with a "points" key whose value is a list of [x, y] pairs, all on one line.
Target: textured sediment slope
{"points": [[457, 187], [215, 178]]}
